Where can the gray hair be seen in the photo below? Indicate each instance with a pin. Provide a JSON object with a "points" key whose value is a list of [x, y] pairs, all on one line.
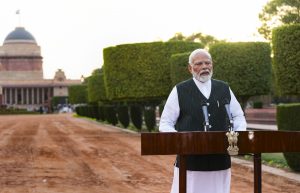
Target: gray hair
{"points": [[198, 51]]}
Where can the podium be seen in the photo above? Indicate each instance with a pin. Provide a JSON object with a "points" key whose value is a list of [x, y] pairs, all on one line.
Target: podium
{"points": [[199, 142]]}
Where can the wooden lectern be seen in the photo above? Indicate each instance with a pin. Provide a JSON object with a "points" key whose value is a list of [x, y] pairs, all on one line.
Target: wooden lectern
{"points": [[187, 143]]}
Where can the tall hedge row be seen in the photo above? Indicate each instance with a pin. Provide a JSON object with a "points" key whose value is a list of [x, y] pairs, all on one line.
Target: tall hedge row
{"points": [[95, 87], [286, 47], [288, 120], [77, 94], [179, 67], [246, 66], [141, 71]]}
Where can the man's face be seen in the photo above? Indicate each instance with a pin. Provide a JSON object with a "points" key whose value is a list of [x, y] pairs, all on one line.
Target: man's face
{"points": [[201, 68]]}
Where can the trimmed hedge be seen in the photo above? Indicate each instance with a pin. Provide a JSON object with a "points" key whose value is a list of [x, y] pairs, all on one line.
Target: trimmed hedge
{"points": [[94, 111], [257, 105], [288, 120], [136, 115], [111, 114], [286, 47], [101, 112], [179, 67], [95, 87], [77, 94], [246, 66], [123, 115], [82, 110], [150, 117], [12, 111], [137, 72]]}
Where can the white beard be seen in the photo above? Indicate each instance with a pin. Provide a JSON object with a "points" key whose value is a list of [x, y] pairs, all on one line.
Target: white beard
{"points": [[202, 78]]}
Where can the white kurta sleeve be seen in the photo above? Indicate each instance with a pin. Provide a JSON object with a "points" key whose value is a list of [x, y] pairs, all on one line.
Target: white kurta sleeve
{"points": [[239, 121], [170, 113]]}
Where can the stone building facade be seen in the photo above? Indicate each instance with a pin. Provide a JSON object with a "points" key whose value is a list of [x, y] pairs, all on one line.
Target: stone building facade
{"points": [[22, 84]]}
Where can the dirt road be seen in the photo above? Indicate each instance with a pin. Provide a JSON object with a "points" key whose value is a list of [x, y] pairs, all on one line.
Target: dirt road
{"points": [[62, 154]]}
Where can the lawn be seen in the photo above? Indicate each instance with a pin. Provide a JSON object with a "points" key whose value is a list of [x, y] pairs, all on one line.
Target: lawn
{"points": [[271, 159]]}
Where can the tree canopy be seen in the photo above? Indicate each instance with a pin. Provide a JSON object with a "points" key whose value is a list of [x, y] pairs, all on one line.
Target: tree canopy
{"points": [[276, 13], [206, 40]]}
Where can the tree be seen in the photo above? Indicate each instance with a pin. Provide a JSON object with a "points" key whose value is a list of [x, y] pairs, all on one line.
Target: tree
{"points": [[276, 13], [206, 40], [178, 37]]}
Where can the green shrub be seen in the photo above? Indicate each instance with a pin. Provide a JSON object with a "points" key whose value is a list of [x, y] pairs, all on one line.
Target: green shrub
{"points": [[77, 94], [95, 87], [14, 111], [101, 112], [246, 66], [150, 117], [286, 62], [111, 114], [179, 67], [141, 71], [123, 115], [288, 120], [136, 115], [90, 111], [257, 105]]}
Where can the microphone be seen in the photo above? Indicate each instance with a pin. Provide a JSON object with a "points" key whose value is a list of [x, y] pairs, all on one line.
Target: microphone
{"points": [[226, 104], [205, 114]]}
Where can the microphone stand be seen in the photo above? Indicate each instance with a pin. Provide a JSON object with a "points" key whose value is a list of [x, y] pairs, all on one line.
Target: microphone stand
{"points": [[230, 125], [205, 114]]}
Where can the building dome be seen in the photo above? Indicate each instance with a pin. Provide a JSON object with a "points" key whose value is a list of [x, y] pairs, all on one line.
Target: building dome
{"points": [[19, 35]]}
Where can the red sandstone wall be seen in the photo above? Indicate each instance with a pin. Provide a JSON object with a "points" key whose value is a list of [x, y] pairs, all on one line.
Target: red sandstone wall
{"points": [[21, 64]]}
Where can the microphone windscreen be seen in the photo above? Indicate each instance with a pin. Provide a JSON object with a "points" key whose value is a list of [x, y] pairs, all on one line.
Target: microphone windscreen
{"points": [[204, 110]]}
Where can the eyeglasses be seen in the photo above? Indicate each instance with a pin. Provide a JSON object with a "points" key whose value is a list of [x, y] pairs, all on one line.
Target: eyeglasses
{"points": [[200, 63]]}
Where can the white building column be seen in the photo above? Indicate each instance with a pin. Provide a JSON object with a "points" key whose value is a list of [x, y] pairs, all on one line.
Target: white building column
{"points": [[38, 101], [10, 95]]}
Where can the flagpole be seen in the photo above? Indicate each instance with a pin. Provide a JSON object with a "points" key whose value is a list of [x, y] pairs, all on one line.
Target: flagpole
{"points": [[19, 16]]}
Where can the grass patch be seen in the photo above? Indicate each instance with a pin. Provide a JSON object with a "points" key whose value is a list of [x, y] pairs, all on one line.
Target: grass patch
{"points": [[271, 159], [274, 159]]}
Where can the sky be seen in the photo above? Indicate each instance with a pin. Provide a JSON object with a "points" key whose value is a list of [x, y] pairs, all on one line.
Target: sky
{"points": [[73, 33]]}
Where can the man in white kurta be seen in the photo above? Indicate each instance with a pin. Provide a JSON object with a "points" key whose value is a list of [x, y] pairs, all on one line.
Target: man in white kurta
{"points": [[200, 65]]}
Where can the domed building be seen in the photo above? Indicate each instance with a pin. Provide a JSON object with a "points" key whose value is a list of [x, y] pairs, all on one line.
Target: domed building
{"points": [[22, 84]]}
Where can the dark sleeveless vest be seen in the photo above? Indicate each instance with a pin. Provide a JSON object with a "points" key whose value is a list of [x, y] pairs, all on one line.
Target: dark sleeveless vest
{"points": [[191, 119]]}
